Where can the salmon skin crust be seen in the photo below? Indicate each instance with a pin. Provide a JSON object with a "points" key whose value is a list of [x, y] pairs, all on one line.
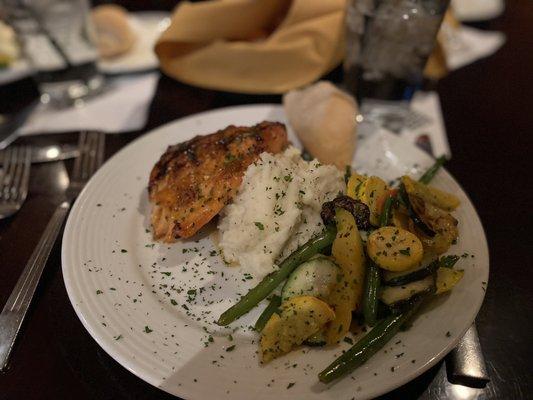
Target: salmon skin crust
{"points": [[194, 180]]}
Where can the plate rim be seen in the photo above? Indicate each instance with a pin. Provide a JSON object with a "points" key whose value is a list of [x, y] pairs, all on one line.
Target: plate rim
{"points": [[114, 351]]}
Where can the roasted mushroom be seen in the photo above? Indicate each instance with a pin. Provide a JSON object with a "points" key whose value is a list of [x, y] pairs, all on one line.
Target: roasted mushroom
{"points": [[359, 210]]}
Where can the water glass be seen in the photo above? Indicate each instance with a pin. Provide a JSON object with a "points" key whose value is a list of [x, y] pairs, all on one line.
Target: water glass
{"points": [[388, 44]]}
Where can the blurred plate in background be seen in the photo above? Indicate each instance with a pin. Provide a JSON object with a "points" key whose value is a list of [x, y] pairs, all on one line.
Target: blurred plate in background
{"points": [[18, 70]]}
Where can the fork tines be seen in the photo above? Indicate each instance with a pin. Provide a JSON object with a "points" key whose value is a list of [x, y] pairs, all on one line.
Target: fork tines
{"points": [[91, 155], [14, 174]]}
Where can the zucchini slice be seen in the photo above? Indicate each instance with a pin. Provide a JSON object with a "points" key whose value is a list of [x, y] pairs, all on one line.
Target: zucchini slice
{"points": [[391, 278], [419, 223], [315, 277], [421, 271], [429, 194], [394, 296]]}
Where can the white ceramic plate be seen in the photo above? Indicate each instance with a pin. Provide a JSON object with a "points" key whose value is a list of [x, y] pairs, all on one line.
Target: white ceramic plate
{"points": [[18, 70], [147, 25], [131, 293]]}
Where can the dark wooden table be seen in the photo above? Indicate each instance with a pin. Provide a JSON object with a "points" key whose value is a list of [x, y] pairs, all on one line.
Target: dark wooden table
{"points": [[486, 108]]}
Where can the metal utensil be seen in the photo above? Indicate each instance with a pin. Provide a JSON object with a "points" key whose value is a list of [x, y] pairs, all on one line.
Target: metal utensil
{"points": [[14, 178], [10, 123], [53, 153], [466, 364], [91, 149]]}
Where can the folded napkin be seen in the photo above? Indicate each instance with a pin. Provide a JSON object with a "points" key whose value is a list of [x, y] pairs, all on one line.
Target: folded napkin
{"points": [[267, 46], [122, 107], [466, 45]]}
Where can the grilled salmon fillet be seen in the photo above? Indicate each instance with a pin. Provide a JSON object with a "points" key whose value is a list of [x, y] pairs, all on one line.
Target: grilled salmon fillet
{"points": [[194, 180]]}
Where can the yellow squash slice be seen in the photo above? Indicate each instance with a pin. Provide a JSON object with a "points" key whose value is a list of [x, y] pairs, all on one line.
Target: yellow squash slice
{"points": [[299, 318], [373, 192], [347, 294], [394, 249], [354, 184], [447, 278]]}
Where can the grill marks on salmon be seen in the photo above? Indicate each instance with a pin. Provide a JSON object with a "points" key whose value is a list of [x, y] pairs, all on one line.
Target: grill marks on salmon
{"points": [[194, 180]]}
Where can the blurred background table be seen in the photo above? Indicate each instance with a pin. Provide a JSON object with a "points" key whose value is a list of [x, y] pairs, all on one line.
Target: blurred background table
{"points": [[489, 125]]}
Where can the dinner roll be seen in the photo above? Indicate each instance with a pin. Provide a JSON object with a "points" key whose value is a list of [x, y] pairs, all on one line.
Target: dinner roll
{"points": [[114, 35], [323, 117]]}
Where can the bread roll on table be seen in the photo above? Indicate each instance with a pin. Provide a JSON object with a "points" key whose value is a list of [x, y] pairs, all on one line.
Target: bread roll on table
{"points": [[324, 118], [114, 35]]}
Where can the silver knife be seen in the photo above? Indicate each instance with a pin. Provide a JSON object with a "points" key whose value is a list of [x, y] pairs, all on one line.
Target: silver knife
{"points": [[466, 364], [53, 153], [9, 124], [56, 152]]}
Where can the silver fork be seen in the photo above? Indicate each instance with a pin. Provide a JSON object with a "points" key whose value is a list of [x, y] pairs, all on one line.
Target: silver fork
{"points": [[14, 179], [91, 154]]}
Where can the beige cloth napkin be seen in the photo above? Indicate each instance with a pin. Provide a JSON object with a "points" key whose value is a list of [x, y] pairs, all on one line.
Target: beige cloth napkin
{"points": [[238, 45]]}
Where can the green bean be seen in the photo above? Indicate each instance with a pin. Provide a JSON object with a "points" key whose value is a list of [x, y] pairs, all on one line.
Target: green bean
{"points": [[367, 346], [385, 214], [370, 299], [347, 173], [373, 278], [430, 173], [272, 307], [271, 281]]}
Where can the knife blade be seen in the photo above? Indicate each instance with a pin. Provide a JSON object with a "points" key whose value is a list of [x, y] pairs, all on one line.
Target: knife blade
{"points": [[9, 124], [54, 152], [466, 364]]}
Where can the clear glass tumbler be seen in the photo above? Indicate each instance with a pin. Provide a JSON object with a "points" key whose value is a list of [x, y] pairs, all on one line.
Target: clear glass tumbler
{"points": [[57, 39], [388, 44]]}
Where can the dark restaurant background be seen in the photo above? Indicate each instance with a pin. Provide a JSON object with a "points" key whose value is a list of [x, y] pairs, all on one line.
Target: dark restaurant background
{"points": [[489, 122]]}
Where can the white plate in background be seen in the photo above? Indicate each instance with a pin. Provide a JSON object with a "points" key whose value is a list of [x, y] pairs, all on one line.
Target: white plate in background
{"points": [[18, 70]]}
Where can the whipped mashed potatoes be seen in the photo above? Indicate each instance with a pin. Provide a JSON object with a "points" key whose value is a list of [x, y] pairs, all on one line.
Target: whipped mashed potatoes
{"points": [[276, 210]]}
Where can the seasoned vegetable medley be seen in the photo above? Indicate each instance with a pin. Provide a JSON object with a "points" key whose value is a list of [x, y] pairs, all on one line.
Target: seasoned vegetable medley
{"points": [[379, 257]]}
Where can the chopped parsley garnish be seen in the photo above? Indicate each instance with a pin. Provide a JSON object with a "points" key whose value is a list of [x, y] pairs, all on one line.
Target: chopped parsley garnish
{"points": [[348, 340], [231, 348], [260, 226], [406, 251], [147, 329], [191, 294]]}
